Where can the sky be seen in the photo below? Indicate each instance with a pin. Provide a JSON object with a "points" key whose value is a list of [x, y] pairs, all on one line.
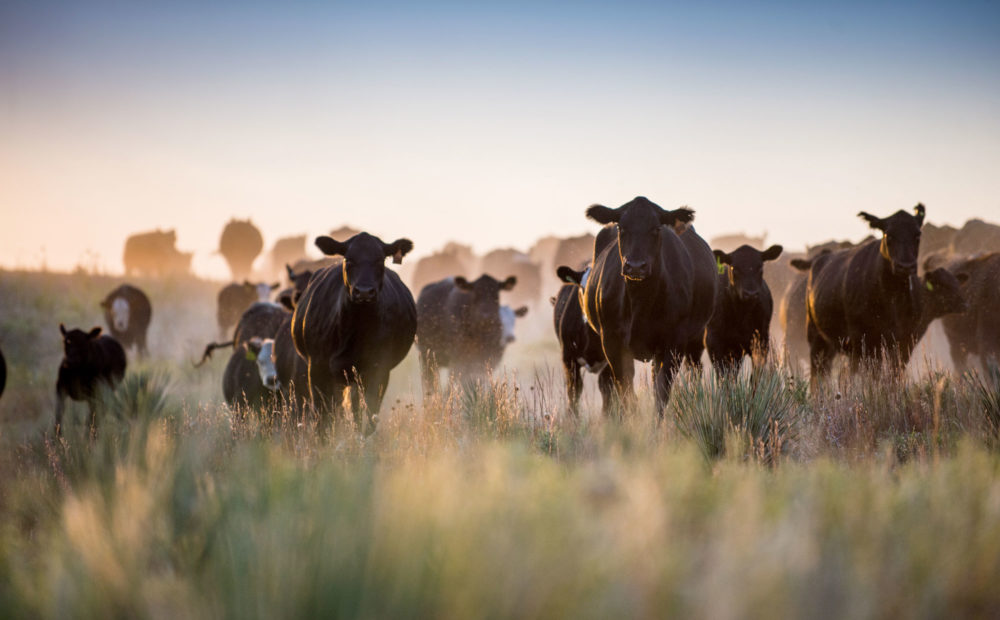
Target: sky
{"points": [[489, 123]]}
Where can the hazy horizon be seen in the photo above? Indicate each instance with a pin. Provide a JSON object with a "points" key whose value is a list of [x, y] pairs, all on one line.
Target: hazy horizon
{"points": [[491, 125]]}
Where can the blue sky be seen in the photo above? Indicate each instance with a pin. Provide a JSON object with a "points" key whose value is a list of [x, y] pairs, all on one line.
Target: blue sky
{"points": [[494, 124]]}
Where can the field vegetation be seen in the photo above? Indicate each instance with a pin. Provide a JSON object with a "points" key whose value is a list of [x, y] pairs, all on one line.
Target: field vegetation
{"points": [[756, 497]]}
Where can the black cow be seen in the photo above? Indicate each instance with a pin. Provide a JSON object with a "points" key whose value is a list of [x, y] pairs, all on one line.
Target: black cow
{"points": [[89, 360], [866, 301], [127, 312], [459, 326], [978, 331], [651, 293], [235, 298], [354, 323], [240, 244], [579, 343], [741, 323]]}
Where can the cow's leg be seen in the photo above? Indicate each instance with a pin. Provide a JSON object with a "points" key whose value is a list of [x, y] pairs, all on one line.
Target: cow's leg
{"points": [[606, 384], [143, 351], [574, 384], [374, 391], [821, 354], [319, 385], [692, 352], [664, 369], [92, 418], [60, 409], [622, 368]]}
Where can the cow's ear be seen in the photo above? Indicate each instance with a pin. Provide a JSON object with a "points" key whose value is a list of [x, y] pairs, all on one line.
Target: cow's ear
{"points": [[330, 246], [523, 310], [569, 275], [771, 253], [676, 217], [253, 348], [94, 333], [875, 222], [462, 283], [602, 214], [801, 264], [398, 249], [722, 258], [509, 283], [62, 329], [920, 211], [287, 302], [291, 274]]}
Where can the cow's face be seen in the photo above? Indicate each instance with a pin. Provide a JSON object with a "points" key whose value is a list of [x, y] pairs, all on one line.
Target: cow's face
{"points": [[640, 226], [943, 292], [900, 238], [120, 312], [262, 352], [76, 343], [744, 267], [508, 316], [364, 262], [484, 293], [299, 282]]}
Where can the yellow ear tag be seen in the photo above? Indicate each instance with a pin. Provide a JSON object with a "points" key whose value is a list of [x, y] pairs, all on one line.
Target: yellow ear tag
{"points": [[930, 287], [722, 268], [251, 356]]}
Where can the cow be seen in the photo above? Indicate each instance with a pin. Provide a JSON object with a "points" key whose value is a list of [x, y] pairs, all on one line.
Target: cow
{"points": [[299, 281], [240, 244], [976, 237], [651, 292], [249, 379], [741, 322], [978, 331], [127, 312], [520, 265], [579, 343], [865, 301], [452, 260], [235, 298], [287, 250], [354, 323], [153, 254], [90, 359], [459, 326], [3, 373]]}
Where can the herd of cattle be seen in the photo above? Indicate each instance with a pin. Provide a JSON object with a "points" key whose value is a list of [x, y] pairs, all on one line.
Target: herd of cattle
{"points": [[647, 287]]}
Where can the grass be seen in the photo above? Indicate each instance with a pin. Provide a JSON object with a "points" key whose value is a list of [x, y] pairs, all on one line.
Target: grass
{"points": [[756, 498]]}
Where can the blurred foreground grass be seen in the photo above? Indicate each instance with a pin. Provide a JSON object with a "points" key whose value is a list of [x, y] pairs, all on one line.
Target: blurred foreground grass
{"points": [[754, 498]]}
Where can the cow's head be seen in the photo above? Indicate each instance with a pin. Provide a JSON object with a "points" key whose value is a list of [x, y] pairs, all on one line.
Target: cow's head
{"points": [[640, 226], [943, 292], [484, 295], [262, 289], [119, 309], [76, 343], [900, 238], [745, 268], [364, 262], [508, 316], [261, 352], [299, 282]]}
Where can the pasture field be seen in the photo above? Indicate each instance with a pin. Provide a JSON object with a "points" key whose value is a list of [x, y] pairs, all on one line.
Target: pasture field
{"points": [[753, 498]]}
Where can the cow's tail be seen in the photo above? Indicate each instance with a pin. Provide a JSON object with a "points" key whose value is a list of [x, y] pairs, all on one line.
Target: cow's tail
{"points": [[211, 347]]}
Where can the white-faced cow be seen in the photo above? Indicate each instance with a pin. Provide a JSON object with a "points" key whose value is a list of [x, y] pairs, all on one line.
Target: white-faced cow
{"points": [[235, 298], [89, 360], [651, 293], [579, 343], [459, 327], [353, 324], [741, 323], [127, 312], [866, 301], [249, 379]]}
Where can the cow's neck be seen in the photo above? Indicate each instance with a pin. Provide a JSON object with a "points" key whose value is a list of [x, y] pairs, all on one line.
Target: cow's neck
{"points": [[903, 291]]}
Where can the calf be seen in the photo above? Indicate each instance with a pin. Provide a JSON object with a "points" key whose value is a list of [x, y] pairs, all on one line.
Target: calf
{"points": [[866, 301], [127, 312], [651, 293], [90, 359], [459, 326], [579, 343], [353, 324], [741, 323], [249, 379], [235, 298]]}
